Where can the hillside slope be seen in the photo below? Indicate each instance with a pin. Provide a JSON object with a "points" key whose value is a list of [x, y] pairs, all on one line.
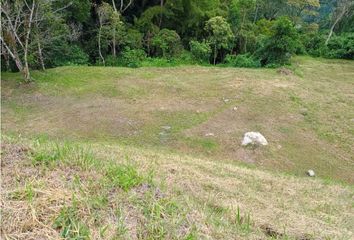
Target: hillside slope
{"points": [[306, 114], [99, 191]]}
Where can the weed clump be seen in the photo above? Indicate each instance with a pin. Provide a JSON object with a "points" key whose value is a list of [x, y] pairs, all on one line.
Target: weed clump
{"points": [[123, 176]]}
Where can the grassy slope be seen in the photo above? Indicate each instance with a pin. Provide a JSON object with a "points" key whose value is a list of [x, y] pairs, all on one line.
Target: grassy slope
{"points": [[307, 117], [100, 191], [176, 186]]}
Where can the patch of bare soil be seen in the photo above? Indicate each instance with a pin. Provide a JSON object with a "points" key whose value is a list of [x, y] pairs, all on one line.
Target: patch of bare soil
{"points": [[285, 71]]}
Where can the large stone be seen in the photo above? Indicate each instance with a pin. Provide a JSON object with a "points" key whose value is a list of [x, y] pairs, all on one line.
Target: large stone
{"points": [[311, 173], [254, 138]]}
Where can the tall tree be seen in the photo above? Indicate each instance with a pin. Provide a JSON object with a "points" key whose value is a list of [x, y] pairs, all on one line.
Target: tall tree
{"points": [[220, 35], [22, 22], [344, 8], [17, 21]]}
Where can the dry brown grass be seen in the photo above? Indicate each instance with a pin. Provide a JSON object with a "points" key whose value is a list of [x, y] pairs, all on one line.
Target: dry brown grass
{"points": [[306, 115], [209, 195]]}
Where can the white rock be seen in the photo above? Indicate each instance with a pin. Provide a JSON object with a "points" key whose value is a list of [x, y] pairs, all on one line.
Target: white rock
{"points": [[254, 138], [167, 128], [235, 108], [226, 100], [311, 173], [210, 135]]}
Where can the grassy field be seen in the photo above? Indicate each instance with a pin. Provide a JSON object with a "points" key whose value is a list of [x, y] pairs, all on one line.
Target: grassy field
{"points": [[155, 153], [307, 116]]}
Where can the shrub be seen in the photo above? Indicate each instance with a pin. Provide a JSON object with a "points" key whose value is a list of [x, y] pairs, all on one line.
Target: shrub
{"points": [[167, 43], [133, 57], [128, 58], [341, 46], [242, 60], [183, 59], [69, 55], [314, 44], [200, 50]]}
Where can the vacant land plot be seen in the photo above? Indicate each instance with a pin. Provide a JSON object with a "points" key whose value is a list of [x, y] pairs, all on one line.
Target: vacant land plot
{"points": [[155, 153], [306, 114]]}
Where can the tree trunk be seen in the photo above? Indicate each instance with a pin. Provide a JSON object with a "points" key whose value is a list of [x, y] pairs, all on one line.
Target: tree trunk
{"points": [[114, 42], [26, 71], [161, 5], [18, 62], [99, 44], [40, 54], [245, 45], [340, 16], [256, 14], [7, 59], [14, 55], [215, 54]]}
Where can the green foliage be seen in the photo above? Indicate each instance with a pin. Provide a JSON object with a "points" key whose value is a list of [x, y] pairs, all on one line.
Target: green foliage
{"points": [[69, 154], [243, 221], [83, 32], [341, 46], [167, 43], [242, 60], [283, 42], [70, 224], [123, 176], [78, 10], [313, 42], [133, 39], [220, 35], [128, 58], [133, 57], [200, 50], [67, 54]]}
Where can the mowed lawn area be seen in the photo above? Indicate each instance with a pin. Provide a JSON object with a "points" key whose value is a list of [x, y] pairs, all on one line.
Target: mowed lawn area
{"points": [[306, 114]]}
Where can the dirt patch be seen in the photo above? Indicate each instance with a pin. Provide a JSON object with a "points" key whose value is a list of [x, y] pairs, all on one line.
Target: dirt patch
{"points": [[285, 71], [144, 188]]}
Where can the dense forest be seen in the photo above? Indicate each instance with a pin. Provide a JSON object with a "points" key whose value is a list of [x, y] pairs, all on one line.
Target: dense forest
{"points": [[39, 34]]}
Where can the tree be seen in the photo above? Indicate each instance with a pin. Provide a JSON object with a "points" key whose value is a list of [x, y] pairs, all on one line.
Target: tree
{"points": [[123, 5], [26, 26], [344, 8], [220, 35], [110, 27], [17, 22], [282, 43], [168, 42], [200, 50]]}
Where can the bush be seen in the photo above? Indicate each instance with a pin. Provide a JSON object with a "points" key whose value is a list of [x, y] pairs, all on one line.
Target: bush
{"points": [[242, 60], [68, 55], [184, 59], [133, 57], [201, 51], [128, 58], [167, 43], [341, 46], [314, 44]]}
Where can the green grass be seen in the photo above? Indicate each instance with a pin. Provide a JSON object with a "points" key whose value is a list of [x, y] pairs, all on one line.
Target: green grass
{"points": [[306, 116], [78, 190]]}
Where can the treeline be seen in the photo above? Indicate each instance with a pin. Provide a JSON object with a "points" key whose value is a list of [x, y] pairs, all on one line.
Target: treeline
{"points": [[37, 34]]}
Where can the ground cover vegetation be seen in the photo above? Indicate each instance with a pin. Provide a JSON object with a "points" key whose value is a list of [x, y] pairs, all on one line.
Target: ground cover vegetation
{"points": [[39, 34]]}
